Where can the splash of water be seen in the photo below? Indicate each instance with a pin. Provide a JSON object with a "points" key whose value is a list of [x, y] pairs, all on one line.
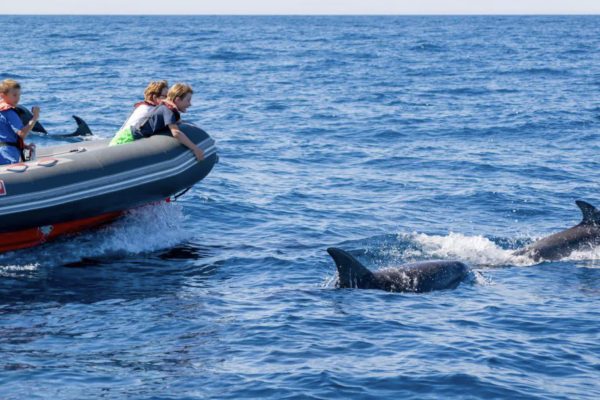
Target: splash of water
{"points": [[12, 271], [140, 230], [476, 250], [144, 229], [481, 251], [589, 258]]}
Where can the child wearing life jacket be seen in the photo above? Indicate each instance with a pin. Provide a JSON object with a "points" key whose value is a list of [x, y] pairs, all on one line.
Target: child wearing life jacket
{"points": [[163, 118], [153, 95], [12, 131]]}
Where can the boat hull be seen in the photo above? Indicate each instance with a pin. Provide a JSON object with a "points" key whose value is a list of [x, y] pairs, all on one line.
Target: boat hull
{"points": [[90, 181], [31, 237]]}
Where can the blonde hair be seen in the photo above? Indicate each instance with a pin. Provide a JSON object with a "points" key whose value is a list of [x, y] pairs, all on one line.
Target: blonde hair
{"points": [[9, 84], [179, 90], [154, 88]]}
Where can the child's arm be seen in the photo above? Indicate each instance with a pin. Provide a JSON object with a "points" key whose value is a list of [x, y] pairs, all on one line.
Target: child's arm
{"points": [[177, 134], [23, 130]]}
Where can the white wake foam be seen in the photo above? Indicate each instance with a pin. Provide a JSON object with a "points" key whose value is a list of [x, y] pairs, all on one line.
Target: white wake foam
{"points": [[144, 229], [13, 271], [586, 258], [481, 251], [141, 230], [475, 250]]}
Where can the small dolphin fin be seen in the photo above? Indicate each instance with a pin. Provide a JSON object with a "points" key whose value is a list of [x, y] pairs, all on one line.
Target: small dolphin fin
{"points": [[82, 129], [591, 215], [39, 128], [350, 271], [25, 116]]}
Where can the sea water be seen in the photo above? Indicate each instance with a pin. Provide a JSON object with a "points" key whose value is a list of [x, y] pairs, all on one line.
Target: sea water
{"points": [[396, 138]]}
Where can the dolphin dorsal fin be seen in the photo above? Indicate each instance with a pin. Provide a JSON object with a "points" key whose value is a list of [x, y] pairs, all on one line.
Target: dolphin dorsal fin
{"points": [[82, 128], [350, 271], [591, 215]]}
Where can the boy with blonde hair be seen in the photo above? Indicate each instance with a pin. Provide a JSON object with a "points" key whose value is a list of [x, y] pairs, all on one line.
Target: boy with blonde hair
{"points": [[162, 119], [12, 131], [155, 92]]}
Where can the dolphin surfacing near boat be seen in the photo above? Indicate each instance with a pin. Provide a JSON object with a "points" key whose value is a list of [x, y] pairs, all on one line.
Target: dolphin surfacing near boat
{"points": [[25, 116], [82, 127], [418, 277], [582, 236]]}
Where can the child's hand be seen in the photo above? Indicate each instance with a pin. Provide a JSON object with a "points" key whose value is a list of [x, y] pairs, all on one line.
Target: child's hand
{"points": [[36, 112], [199, 153]]}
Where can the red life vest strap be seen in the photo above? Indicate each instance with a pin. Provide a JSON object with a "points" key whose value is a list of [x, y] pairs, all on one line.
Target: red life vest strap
{"points": [[5, 106], [141, 103]]}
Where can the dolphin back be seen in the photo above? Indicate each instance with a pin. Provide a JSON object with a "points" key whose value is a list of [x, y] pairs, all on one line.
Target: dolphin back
{"points": [[560, 244], [418, 277], [25, 116], [351, 273], [426, 276], [591, 215]]}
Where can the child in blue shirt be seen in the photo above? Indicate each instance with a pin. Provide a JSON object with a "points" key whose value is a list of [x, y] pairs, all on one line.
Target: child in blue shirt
{"points": [[12, 131]]}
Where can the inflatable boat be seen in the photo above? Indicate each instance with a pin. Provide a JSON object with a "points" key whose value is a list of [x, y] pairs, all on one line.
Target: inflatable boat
{"points": [[77, 186]]}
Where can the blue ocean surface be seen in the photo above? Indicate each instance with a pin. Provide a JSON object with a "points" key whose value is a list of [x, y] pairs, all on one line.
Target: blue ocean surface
{"points": [[396, 138]]}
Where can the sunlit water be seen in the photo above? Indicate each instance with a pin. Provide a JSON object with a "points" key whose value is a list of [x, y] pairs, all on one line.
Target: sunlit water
{"points": [[396, 138]]}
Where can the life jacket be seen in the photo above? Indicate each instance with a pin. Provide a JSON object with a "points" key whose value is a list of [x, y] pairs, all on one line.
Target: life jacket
{"points": [[19, 144], [141, 103], [5, 106], [173, 108]]}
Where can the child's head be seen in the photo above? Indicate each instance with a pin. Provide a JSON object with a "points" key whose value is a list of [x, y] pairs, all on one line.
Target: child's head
{"points": [[156, 91], [181, 95], [10, 91]]}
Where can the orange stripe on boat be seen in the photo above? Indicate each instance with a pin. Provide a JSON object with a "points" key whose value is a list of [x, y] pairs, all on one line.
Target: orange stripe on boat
{"points": [[35, 236]]}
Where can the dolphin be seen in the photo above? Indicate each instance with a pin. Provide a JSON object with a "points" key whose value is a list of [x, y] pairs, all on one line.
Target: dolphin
{"points": [[82, 128], [416, 277], [585, 235], [25, 115]]}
